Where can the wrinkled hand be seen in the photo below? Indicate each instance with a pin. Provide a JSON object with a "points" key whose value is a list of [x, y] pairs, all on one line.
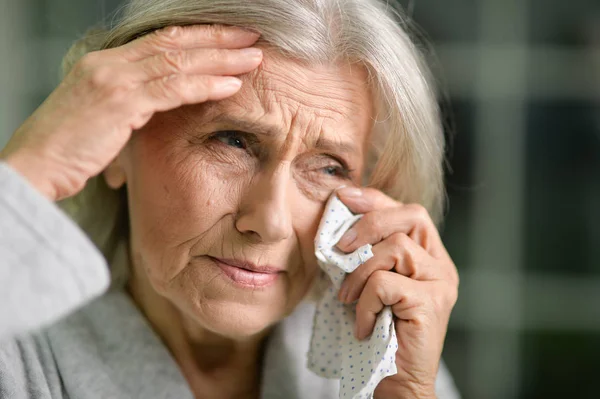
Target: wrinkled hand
{"points": [[410, 271], [89, 118]]}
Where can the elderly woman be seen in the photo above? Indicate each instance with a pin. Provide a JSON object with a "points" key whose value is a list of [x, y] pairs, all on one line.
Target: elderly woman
{"points": [[196, 144]]}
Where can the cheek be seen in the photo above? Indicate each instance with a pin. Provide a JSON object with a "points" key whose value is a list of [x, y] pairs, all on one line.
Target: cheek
{"points": [[311, 187], [177, 198], [314, 182], [307, 215]]}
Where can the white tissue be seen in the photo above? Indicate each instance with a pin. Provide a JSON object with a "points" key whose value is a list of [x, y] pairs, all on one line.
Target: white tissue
{"points": [[334, 351]]}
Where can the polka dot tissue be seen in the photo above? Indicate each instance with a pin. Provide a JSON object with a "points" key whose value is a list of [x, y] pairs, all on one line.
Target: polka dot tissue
{"points": [[334, 351]]}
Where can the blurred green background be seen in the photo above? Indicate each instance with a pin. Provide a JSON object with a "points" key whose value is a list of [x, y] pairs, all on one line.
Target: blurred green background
{"points": [[522, 85]]}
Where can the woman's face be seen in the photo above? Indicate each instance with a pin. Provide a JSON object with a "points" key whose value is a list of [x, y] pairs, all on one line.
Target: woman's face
{"points": [[225, 198]]}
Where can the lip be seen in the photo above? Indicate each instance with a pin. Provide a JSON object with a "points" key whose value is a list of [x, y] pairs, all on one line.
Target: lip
{"points": [[248, 274]]}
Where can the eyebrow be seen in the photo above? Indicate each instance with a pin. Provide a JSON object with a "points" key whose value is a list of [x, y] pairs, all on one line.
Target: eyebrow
{"points": [[248, 126]]}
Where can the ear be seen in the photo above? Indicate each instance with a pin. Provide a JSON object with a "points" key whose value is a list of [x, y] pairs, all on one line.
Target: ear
{"points": [[114, 174]]}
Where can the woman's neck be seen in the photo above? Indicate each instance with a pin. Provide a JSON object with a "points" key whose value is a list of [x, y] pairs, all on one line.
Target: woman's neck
{"points": [[213, 365]]}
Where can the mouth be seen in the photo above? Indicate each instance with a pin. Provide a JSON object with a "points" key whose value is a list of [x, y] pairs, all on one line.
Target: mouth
{"points": [[248, 274]]}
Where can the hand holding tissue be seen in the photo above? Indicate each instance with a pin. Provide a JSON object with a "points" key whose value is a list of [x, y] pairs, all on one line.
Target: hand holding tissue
{"points": [[334, 351], [361, 365]]}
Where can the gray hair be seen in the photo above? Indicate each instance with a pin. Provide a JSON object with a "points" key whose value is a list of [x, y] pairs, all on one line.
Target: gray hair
{"points": [[406, 158]]}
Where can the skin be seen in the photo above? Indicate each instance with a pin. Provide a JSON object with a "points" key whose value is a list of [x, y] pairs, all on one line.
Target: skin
{"points": [[243, 176]]}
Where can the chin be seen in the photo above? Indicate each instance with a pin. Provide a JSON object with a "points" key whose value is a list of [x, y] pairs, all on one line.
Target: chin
{"points": [[236, 322], [226, 307]]}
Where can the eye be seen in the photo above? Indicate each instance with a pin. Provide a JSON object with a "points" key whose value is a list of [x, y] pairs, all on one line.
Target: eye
{"points": [[232, 138], [338, 170], [334, 170]]}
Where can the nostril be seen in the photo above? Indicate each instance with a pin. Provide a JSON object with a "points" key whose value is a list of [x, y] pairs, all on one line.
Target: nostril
{"points": [[252, 235]]}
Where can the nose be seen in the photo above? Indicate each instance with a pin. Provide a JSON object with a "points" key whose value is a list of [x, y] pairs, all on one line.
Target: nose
{"points": [[265, 209]]}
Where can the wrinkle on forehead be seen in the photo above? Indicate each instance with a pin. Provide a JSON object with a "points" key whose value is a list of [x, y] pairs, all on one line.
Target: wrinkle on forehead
{"points": [[334, 91], [302, 105]]}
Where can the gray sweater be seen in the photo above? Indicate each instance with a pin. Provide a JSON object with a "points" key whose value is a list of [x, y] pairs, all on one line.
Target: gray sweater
{"points": [[63, 336]]}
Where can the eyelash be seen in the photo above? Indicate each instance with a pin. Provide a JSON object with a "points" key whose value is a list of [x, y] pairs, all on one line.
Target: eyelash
{"points": [[341, 170], [229, 134]]}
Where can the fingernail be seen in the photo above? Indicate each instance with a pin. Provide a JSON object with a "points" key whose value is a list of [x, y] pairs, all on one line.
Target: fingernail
{"points": [[350, 192], [363, 332], [252, 52], [228, 84], [349, 297], [347, 239]]}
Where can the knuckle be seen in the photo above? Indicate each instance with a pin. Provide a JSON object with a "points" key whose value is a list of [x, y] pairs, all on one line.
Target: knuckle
{"points": [[168, 37], [411, 266], [378, 280], [216, 33], [421, 319], [399, 261], [113, 85], [445, 299], [101, 76], [419, 211], [175, 61], [400, 240]]}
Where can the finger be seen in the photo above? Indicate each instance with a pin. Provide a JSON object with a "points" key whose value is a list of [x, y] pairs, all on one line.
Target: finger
{"points": [[175, 38], [176, 90], [386, 289], [365, 199], [399, 253], [374, 226], [197, 62], [431, 301]]}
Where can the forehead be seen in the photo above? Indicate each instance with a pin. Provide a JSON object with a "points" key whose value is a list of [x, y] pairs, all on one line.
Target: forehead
{"points": [[326, 99]]}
